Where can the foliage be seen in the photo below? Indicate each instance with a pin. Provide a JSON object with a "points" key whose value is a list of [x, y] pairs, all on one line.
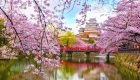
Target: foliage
{"points": [[131, 61], [122, 28], [67, 39], [127, 65], [9, 68], [1, 24], [126, 73], [29, 32], [90, 41], [3, 39]]}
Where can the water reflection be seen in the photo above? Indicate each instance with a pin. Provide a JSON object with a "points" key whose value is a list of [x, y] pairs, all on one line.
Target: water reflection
{"points": [[69, 70], [17, 70], [76, 71]]}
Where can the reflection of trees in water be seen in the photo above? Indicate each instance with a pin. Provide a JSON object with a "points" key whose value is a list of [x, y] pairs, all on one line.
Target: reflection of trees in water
{"points": [[90, 72], [65, 72], [24, 70], [9, 68], [4, 68], [26, 76], [111, 72], [94, 73], [14, 70]]}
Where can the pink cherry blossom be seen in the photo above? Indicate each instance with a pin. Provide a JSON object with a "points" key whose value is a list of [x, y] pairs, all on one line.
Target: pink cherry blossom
{"points": [[122, 28]]}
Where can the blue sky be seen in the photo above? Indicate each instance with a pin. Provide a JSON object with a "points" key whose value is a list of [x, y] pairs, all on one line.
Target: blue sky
{"points": [[98, 11]]}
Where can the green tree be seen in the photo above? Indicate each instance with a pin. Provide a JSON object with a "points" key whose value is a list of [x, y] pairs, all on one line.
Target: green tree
{"points": [[3, 40], [90, 41], [67, 39]]}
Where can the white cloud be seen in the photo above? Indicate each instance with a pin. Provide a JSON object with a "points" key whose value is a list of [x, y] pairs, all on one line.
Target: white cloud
{"points": [[74, 28], [100, 12]]}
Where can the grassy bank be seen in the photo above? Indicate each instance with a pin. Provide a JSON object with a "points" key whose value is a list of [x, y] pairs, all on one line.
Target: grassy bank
{"points": [[131, 61], [128, 66]]}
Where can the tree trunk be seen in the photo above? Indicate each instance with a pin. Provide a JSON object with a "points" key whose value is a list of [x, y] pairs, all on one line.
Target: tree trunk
{"points": [[108, 58], [139, 48]]}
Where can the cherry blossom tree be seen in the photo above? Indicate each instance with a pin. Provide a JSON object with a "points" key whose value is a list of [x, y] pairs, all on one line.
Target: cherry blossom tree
{"points": [[26, 22], [29, 33], [27, 26], [122, 28]]}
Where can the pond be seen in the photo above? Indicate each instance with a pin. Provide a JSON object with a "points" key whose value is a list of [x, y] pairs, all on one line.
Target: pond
{"points": [[74, 69]]}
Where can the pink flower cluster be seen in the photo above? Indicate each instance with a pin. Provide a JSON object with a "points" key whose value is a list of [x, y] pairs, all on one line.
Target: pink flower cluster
{"points": [[122, 28]]}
